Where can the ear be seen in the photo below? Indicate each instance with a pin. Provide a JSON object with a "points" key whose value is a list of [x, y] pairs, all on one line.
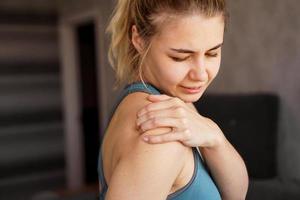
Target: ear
{"points": [[136, 39]]}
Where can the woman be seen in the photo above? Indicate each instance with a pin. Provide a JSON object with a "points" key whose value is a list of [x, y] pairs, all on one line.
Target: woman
{"points": [[158, 146]]}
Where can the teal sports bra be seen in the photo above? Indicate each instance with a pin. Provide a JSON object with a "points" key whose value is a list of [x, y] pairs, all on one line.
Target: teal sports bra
{"points": [[200, 187]]}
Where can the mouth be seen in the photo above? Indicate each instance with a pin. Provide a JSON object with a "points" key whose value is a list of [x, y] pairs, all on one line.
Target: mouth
{"points": [[192, 90], [192, 87]]}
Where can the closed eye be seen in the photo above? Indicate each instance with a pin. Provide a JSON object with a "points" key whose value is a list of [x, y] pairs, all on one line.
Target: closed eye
{"points": [[176, 59], [211, 54]]}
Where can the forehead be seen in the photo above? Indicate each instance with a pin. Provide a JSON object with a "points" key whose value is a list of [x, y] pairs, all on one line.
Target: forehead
{"points": [[194, 32]]}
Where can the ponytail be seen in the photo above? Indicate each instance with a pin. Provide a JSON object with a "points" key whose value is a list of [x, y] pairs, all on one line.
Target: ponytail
{"points": [[121, 51]]}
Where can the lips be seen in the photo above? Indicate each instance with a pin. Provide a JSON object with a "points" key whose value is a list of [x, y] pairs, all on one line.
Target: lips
{"points": [[195, 88], [192, 90], [192, 87]]}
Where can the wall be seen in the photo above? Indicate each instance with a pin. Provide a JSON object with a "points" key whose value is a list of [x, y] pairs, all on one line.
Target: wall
{"points": [[31, 127], [45, 6], [262, 54]]}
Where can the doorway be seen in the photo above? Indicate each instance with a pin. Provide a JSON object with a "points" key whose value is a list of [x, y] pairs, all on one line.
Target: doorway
{"points": [[85, 36]]}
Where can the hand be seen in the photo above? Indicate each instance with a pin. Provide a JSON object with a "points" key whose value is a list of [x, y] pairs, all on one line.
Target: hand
{"points": [[188, 126]]}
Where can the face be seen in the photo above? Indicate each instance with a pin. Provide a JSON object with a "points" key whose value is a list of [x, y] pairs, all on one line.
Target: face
{"points": [[185, 56]]}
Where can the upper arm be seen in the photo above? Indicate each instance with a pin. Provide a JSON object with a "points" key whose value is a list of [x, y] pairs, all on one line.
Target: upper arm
{"points": [[146, 171]]}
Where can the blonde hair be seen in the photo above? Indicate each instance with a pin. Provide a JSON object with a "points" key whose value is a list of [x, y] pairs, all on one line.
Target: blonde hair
{"points": [[123, 57]]}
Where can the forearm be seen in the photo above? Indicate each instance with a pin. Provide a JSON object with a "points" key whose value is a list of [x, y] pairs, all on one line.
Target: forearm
{"points": [[228, 170]]}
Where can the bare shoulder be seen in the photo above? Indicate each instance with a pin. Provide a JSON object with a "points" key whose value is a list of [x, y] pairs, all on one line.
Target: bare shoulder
{"points": [[125, 123], [144, 169]]}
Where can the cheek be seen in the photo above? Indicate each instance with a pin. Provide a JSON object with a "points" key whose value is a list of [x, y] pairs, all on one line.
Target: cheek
{"points": [[174, 73], [213, 69], [167, 71]]}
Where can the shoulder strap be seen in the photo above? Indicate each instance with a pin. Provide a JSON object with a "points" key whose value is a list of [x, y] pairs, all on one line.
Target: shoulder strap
{"points": [[128, 89], [140, 87], [131, 88]]}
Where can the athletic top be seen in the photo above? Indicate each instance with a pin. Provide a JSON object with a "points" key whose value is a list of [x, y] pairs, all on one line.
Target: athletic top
{"points": [[201, 186]]}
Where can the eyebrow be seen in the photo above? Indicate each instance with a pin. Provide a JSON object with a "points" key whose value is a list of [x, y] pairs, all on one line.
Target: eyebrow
{"points": [[190, 51]]}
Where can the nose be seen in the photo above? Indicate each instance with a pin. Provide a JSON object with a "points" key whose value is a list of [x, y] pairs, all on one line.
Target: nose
{"points": [[198, 71]]}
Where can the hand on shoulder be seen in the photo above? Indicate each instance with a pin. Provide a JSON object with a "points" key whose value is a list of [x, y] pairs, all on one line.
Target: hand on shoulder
{"points": [[127, 116]]}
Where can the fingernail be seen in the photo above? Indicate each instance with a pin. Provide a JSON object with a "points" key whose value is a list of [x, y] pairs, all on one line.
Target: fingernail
{"points": [[152, 95]]}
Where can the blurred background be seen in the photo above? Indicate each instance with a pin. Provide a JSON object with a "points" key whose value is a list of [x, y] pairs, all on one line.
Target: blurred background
{"points": [[56, 95]]}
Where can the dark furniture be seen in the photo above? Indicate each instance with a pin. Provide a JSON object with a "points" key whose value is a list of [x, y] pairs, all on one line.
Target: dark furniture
{"points": [[250, 122]]}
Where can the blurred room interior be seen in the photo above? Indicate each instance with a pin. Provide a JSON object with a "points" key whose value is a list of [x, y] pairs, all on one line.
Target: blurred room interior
{"points": [[56, 95]]}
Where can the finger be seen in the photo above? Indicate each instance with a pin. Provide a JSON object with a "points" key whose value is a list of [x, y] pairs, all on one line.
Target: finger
{"points": [[163, 138], [155, 98], [175, 123], [160, 105], [173, 113], [172, 102]]}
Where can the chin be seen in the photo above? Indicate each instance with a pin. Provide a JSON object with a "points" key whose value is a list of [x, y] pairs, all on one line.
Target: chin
{"points": [[191, 98], [185, 97]]}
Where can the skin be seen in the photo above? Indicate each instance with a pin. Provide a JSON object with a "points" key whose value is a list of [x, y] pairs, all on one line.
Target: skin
{"points": [[171, 71]]}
